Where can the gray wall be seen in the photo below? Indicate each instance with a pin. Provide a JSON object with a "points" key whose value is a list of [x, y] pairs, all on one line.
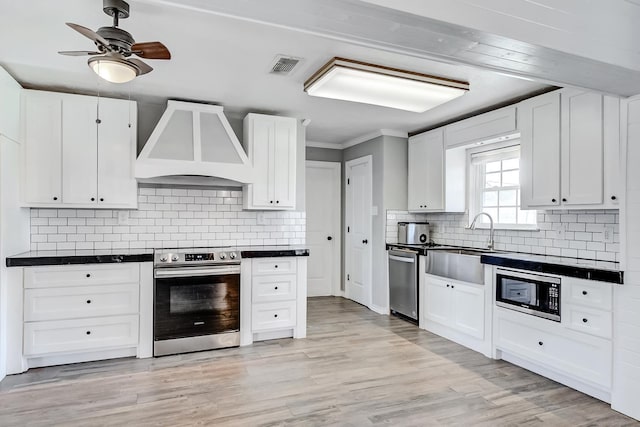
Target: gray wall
{"points": [[324, 154], [395, 173]]}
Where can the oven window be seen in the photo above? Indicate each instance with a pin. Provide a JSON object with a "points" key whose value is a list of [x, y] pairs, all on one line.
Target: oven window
{"points": [[196, 298]]}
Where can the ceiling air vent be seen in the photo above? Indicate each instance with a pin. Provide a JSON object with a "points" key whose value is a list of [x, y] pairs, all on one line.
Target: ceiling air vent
{"points": [[283, 65]]}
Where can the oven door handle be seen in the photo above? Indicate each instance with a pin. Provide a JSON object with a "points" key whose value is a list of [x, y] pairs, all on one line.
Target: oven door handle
{"points": [[192, 272]]}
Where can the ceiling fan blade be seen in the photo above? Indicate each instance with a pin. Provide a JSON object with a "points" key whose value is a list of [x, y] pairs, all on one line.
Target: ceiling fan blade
{"points": [[151, 50], [78, 53], [144, 68], [90, 34]]}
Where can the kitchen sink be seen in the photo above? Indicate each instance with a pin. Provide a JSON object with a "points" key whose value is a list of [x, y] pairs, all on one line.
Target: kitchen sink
{"points": [[457, 263]]}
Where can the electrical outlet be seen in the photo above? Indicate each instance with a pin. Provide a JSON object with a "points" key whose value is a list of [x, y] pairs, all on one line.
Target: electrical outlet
{"points": [[608, 233], [123, 217], [560, 231], [260, 219]]}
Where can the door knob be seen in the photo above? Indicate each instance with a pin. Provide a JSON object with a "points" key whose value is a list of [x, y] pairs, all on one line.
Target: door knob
{"points": [[329, 238], [365, 241]]}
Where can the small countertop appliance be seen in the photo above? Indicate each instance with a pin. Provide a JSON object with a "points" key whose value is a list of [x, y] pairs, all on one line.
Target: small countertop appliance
{"points": [[413, 233]]}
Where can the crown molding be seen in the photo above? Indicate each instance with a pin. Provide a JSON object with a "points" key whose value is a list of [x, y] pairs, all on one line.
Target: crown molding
{"points": [[330, 145]]}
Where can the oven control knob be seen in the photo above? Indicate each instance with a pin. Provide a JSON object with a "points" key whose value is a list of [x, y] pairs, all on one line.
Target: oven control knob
{"points": [[232, 255], [174, 258], [222, 255], [163, 258]]}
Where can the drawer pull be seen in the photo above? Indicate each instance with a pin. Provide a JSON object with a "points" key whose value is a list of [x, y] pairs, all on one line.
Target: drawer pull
{"points": [[448, 285], [584, 292], [452, 286], [276, 288], [88, 275], [88, 301], [275, 315], [585, 320], [88, 332], [276, 266], [540, 343]]}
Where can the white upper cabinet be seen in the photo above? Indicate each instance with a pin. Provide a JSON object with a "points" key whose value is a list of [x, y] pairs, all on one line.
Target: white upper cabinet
{"points": [[482, 127], [436, 176], [271, 145], [570, 150], [41, 137], [539, 123], [78, 151], [117, 186], [582, 148]]}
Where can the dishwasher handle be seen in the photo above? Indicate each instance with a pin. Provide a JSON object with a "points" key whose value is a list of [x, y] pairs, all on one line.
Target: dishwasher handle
{"points": [[402, 259]]}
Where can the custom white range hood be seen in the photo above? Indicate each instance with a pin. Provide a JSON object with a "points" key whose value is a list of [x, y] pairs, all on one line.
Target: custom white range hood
{"points": [[194, 143]]}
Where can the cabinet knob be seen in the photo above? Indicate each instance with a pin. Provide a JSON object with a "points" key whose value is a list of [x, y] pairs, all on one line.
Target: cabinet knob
{"points": [[448, 285], [452, 286], [55, 198], [540, 343], [88, 332], [93, 199], [88, 274], [277, 201], [88, 301], [276, 266], [276, 288], [613, 197], [102, 199], [271, 201], [98, 121], [564, 200], [275, 315], [553, 200], [365, 241], [584, 292], [585, 320]]}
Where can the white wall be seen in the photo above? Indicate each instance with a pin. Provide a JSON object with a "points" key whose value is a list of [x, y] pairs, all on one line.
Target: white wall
{"points": [[167, 217], [626, 319]]}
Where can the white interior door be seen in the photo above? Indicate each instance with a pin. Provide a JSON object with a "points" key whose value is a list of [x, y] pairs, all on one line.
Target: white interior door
{"points": [[323, 209], [358, 236]]}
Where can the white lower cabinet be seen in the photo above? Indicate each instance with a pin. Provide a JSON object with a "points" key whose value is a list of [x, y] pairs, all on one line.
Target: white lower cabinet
{"points": [[273, 298], [577, 351], [74, 313], [456, 311]]}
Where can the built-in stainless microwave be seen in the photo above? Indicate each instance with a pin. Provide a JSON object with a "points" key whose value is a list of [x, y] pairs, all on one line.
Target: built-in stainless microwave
{"points": [[533, 294]]}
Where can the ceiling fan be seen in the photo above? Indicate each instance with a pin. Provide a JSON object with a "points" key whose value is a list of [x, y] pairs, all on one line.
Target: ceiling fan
{"points": [[112, 61]]}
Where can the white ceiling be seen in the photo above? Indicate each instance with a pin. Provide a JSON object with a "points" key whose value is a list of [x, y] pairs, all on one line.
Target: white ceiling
{"points": [[224, 60]]}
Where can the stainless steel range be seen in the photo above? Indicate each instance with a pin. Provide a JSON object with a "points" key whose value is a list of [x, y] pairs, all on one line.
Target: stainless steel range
{"points": [[196, 300]]}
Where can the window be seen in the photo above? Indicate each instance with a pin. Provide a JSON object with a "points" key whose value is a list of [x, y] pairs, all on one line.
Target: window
{"points": [[495, 187]]}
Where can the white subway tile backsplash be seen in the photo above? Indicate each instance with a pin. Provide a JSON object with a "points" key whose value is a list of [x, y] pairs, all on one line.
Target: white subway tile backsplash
{"points": [[166, 217], [560, 233]]}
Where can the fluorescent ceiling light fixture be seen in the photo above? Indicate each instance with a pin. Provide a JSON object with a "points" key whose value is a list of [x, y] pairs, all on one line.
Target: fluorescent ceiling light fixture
{"points": [[113, 69], [356, 81]]}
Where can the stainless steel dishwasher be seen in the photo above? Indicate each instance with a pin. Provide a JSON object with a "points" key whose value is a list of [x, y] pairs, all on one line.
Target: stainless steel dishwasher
{"points": [[403, 283]]}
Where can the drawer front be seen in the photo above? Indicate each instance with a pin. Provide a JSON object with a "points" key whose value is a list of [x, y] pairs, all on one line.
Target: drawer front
{"points": [[581, 356], [588, 320], [589, 293], [274, 288], [80, 334], [273, 266], [80, 301], [275, 315], [79, 275]]}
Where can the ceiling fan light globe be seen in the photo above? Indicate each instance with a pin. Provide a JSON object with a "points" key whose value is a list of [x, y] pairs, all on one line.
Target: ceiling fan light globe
{"points": [[113, 70]]}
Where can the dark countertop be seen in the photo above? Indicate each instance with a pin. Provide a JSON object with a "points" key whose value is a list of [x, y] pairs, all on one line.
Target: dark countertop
{"points": [[605, 271], [65, 257]]}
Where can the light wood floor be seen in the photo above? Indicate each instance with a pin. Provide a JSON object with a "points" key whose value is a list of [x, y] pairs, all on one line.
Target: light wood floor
{"points": [[356, 368]]}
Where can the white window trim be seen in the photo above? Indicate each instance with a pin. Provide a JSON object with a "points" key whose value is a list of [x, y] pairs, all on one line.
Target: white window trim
{"points": [[474, 202]]}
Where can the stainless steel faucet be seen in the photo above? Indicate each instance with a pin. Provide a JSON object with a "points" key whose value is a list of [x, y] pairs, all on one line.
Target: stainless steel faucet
{"points": [[473, 227]]}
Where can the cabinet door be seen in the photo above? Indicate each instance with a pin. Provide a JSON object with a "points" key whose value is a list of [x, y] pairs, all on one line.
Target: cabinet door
{"points": [[79, 150], [539, 122], [611, 151], [261, 134], [42, 148], [468, 309], [117, 186], [582, 148], [284, 166], [437, 301], [426, 172]]}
